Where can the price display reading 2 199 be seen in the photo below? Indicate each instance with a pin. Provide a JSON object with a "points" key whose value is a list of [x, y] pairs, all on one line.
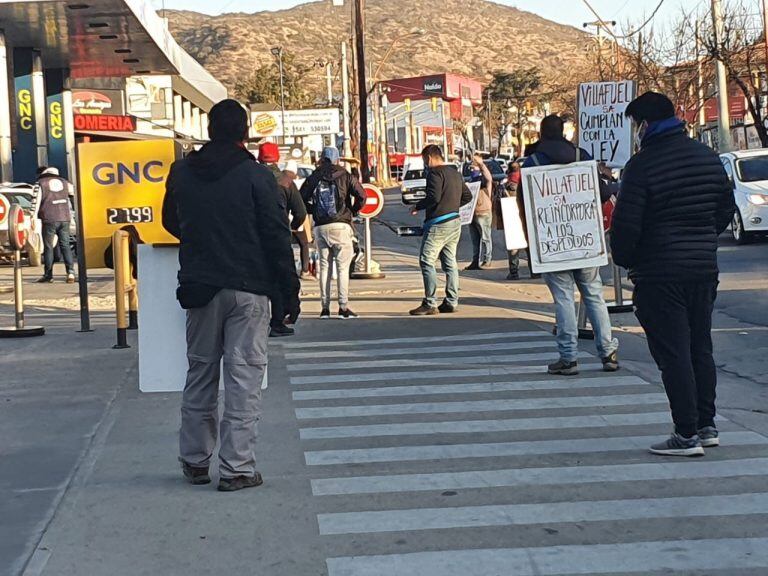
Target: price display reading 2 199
{"points": [[130, 215]]}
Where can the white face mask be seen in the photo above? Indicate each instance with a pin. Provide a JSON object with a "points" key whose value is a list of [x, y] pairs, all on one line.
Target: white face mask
{"points": [[640, 134]]}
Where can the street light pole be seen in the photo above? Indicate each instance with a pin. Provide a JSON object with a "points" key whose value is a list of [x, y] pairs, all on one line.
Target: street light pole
{"points": [[725, 143], [362, 90], [278, 51]]}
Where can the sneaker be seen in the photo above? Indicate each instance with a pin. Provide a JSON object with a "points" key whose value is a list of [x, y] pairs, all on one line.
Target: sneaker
{"points": [[678, 445], [611, 362], [446, 308], [240, 482], [486, 266], [281, 331], [513, 276], [472, 267], [70, 278], [424, 310], [563, 368], [325, 314], [44, 280], [195, 475], [709, 437], [347, 314]]}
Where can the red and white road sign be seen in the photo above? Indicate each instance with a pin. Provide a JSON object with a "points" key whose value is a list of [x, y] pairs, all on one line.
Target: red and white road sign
{"points": [[5, 208], [17, 228], [374, 201]]}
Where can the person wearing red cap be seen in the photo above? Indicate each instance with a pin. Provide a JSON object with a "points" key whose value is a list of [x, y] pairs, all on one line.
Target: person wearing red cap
{"points": [[269, 155]]}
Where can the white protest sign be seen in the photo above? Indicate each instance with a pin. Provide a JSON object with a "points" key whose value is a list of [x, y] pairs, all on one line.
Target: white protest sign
{"points": [[564, 217], [514, 235], [604, 131], [467, 212]]}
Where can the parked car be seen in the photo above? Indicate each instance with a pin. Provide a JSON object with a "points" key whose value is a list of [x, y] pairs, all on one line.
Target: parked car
{"points": [[414, 186], [24, 195], [748, 172]]}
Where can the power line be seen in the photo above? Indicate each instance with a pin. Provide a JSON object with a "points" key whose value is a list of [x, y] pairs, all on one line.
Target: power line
{"points": [[626, 36]]}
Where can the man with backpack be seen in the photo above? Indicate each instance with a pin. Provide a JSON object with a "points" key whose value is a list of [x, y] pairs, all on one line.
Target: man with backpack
{"points": [[333, 197], [552, 149]]}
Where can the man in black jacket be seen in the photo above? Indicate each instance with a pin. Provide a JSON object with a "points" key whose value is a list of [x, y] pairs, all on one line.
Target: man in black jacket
{"points": [[269, 155], [333, 196], [235, 251], [446, 194], [675, 201]]}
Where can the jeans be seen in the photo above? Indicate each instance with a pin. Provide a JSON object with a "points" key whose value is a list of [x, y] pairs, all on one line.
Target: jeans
{"points": [[677, 319], [482, 242], [52, 230], [334, 244], [441, 241], [232, 327], [561, 285]]}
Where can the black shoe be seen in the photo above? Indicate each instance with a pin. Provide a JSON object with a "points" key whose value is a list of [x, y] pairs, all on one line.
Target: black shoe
{"points": [[195, 476], [513, 276], [281, 331], [44, 280], [611, 362], [347, 314], [325, 314], [240, 482], [563, 368], [446, 308], [424, 310], [472, 266]]}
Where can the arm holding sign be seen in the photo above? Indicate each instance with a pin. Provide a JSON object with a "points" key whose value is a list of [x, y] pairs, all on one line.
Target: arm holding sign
{"points": [[628, 215]]}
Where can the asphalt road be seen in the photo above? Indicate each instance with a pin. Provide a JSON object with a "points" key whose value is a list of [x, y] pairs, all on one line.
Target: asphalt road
{"points": [[392, 445]]}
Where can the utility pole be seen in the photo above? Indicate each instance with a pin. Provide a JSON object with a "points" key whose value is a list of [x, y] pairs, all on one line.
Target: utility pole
{"points": [[640, 47], [725, 143], [599, 25], [765, 29], [700, 88], [278, 51], [445, 130], [329, 81], [345, 101], [362, 89]]}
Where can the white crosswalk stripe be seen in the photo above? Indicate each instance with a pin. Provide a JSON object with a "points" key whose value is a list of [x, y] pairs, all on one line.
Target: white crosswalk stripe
{"points": [[553, 451]]}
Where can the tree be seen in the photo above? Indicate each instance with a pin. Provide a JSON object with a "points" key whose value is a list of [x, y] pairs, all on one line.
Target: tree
{"points": [[263, 86], [511, 96]]}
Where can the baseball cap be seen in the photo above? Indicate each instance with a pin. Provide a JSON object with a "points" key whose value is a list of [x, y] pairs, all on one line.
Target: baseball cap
{"points": [[269, 153], [331, 154]]}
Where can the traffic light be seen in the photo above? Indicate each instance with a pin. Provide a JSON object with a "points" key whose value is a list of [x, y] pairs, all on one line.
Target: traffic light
{"points": [[434, 104], [407, 104]]}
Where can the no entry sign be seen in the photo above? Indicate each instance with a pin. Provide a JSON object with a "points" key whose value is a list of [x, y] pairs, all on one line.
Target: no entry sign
{"points": [[374, 201], [5, 207], [17, 228]]}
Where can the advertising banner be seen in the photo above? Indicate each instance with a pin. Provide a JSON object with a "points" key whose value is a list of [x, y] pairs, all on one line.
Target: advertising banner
{"points": [[25, 152], [604, 131], [564, 217], [317, 121], [122, 186], [57, 149], [91, 101]]}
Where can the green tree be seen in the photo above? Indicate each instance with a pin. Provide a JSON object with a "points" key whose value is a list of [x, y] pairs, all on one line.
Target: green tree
{"points": [[263, 86], [511, 96]]}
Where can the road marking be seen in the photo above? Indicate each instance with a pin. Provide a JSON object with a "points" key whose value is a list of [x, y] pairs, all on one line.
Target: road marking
{"points": [[481, 426], [662, 470], [477, 388], [548, 513], [502, 449], [415, 340], [671, 556], [425, 362], [501, 405], [432, 351], [429, 375]]}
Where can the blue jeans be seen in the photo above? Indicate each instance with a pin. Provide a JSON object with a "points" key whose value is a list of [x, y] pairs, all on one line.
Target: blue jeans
{"points": [[482, 243], [441, 241], [50, 231], [561, 285]]}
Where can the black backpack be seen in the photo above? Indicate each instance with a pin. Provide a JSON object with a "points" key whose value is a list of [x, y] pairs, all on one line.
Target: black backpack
{"points": [[327, 200]]}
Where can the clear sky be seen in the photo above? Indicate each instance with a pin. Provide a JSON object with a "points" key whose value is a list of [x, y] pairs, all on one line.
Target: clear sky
{"points": [[572, 12]]}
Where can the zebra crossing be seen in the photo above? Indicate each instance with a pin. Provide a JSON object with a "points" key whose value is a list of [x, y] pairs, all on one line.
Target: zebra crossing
{"points": [[457, 455]]}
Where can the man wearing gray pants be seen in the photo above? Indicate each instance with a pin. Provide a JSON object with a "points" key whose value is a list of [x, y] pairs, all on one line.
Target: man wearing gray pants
{"points": [[235, 253]]}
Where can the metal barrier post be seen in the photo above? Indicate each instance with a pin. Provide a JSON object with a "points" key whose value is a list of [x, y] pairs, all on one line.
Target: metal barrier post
{"points": [[120, 248], [618, 306]]}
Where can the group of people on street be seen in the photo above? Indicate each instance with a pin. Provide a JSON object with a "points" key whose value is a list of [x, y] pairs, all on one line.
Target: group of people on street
{"points": [[231, 214]]}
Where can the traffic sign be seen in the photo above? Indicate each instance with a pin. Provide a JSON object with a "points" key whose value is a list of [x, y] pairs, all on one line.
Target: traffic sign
{"points": [[374, 201], [17, 228], [5, 208]]}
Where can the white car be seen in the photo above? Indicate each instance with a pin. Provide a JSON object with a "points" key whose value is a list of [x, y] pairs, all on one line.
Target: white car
{"points": [[23, 195], [748, 171], [414, 185]]}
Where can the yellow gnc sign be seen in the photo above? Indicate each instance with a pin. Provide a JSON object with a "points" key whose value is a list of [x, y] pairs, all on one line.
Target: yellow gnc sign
{"points": [[122, 185]]}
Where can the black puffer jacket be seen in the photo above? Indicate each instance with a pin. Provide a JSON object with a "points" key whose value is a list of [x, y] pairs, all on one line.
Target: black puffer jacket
{"points": [[675, 201]]}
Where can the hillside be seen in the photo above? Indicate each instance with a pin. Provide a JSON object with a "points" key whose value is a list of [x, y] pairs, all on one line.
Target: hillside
{"points": [[472, 37]]}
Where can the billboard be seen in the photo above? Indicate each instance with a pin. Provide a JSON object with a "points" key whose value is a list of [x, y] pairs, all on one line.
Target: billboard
{"points": [[122, 186], [317, 121], [90, 101]]}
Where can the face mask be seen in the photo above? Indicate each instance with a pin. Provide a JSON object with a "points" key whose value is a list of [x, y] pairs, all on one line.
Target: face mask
{"points": [[640, 134]]}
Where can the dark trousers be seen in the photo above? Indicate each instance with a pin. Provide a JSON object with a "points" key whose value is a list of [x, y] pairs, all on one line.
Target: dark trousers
{"points": [[303, 251], [677, 319], [51, 230], [514, 261]]}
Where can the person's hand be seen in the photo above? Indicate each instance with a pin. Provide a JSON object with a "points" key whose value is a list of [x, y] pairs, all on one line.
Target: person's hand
{"points": [[414, 212]]}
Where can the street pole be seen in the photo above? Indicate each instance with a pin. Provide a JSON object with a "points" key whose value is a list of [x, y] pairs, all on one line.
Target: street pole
{"points": [[765, 29], [279, 53], [445, 131], [345, 101], [725, 143], [362, 89], [701, 102], [329, 81]]}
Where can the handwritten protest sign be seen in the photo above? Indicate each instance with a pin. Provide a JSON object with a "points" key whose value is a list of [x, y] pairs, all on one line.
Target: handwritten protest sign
{"points": [[604, 131], [514, 235], [467, 211], [564, 217]]}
